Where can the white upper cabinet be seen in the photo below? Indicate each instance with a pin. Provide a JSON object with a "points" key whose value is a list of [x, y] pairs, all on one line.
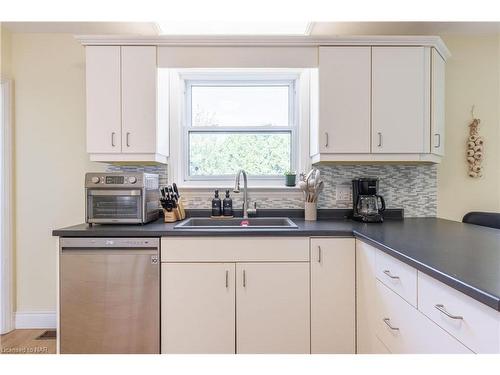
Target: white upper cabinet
{"points": [[400, 99], [103, 99], [124, 109], [344, 99], [378, 103], [139, 99], [437, 103]]}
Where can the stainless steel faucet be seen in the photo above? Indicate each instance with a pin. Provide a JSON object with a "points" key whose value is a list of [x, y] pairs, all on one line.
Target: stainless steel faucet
{"points": [[245, 193]]}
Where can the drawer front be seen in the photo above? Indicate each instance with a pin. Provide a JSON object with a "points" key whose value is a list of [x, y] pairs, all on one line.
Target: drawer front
{"points": [[398, 276], [404, 330], [477, 326], [235, 249]]}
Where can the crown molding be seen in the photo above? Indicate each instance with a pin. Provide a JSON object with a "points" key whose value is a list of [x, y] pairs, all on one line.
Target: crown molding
{"points": [[252, 41]]}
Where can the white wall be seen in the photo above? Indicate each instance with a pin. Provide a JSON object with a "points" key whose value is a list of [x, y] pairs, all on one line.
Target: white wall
{"points": [[50, 158], [472, 77]]}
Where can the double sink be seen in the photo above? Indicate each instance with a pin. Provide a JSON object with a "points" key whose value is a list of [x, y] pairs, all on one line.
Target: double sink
{"points": [[237, 223]]}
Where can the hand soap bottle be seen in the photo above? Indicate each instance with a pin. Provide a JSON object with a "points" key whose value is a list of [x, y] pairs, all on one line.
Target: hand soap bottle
{"points": [[227, 205], [216, 205]]}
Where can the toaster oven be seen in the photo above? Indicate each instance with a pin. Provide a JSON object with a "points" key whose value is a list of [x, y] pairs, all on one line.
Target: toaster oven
{"points": [[121, 198]]}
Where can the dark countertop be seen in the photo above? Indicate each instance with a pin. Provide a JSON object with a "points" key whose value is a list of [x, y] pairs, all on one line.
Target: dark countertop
{"points": [[463, 256], [340, 228]]}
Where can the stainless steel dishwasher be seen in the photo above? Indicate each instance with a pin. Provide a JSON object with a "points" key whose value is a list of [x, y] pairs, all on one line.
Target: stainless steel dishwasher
{"points": [[109, 295]]}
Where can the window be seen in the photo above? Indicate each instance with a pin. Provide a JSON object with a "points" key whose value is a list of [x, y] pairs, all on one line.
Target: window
{"points": [[240, 122], [223, 120]]}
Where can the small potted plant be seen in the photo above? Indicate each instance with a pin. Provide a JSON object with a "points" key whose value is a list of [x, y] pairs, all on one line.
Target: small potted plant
{"points": [[290, 178]]}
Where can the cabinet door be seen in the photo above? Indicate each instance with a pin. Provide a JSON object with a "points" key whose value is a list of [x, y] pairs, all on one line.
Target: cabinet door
{"points": [[438, 104], [333, 295], [103, 99], [400, 99], [344, 99], [272, 308], [198, 308], [139, 86], [367, 342]]}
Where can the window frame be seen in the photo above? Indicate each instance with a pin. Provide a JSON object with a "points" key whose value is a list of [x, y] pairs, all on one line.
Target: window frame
{"points": [[298, 118], [240, 81]]}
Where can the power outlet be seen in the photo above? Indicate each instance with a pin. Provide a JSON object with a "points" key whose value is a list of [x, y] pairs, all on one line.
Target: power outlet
{"points": [[343, 193]]}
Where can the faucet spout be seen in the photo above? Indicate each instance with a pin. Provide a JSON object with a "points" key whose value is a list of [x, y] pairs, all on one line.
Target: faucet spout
{"points": [[245, 188]]}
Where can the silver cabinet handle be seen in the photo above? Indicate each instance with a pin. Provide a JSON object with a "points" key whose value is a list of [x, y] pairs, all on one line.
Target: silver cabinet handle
{"points": [[442, 309], [113, 139], [127, 139], [379, 139], [438, 144], [388, 273], [387, 321], [319, 254], [227, 279], [326, 141], [244, 279]]}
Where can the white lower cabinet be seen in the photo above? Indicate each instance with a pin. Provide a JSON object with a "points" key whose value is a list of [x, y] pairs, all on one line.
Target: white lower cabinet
{"points": [[366, 342], [198, 308], [397, 276], [272, 308], [235, 307], [310, 295], [235, 295], [333, 294], [471, 322], [404, 330], [291, 295], [388, 321]]}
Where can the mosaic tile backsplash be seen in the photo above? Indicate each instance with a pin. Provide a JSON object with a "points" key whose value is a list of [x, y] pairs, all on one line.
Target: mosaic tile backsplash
{"points": [[412, 187], [159, 169]]}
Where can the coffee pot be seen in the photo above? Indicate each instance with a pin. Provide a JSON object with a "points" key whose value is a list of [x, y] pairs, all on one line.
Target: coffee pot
{"points": [[370, 205], [367, 205]]}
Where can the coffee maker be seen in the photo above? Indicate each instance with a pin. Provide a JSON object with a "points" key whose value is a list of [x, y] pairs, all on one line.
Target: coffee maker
{"points": [[367, 205]]}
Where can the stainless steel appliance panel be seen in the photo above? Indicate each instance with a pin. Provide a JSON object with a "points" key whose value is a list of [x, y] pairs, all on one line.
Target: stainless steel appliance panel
{"points": [[109, 295], [121, 198]]}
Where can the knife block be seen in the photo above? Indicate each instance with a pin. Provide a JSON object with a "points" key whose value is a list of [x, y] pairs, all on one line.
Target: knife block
{"points": [[176, 214]]}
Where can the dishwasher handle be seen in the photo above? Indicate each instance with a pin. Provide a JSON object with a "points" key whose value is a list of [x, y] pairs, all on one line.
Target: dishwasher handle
{"points": [[108, 251]]}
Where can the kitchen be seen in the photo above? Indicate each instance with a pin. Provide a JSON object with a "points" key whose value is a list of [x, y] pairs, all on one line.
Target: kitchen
{"points": [[130, 120]]}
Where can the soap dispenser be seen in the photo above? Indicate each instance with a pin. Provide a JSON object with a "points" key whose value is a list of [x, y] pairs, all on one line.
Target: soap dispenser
{"points": [[216, 205], [227, 205]]}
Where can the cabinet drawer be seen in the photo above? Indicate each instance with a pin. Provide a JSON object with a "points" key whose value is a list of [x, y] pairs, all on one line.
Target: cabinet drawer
{"points": [[234, 249], [404, 330], [477, 326], [398, 276]]}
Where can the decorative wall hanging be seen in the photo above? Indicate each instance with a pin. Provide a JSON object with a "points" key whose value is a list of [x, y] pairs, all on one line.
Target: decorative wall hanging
{"points": [[475, 148]]}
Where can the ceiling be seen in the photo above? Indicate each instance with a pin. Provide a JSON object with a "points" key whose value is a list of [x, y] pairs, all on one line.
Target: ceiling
{"points": [[83, 28], [318, 28], [405, 28]]}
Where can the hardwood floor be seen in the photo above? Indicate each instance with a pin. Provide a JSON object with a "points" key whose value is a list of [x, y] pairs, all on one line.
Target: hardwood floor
{"points": [[23, 341]]}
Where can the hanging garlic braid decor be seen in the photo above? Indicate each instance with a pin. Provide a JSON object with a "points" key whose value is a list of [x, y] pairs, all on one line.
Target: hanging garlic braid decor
{"points": [[475, 148]]}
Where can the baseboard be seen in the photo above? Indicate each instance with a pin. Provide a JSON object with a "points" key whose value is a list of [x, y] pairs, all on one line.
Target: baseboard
{"points": [[35, 319]]}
